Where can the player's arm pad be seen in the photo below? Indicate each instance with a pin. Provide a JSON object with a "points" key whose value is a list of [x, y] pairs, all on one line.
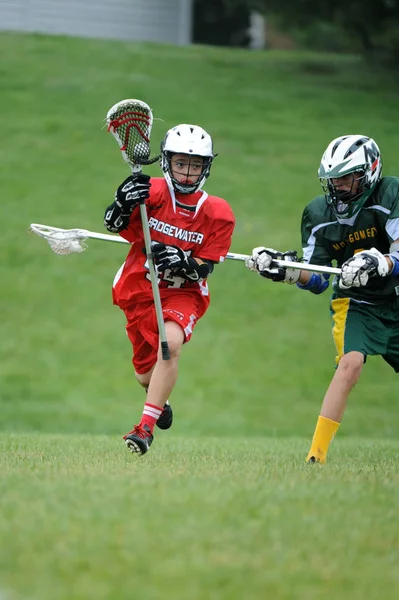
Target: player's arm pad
{"points": [[210, 264], [192, 271], [317, 283], [394, 256]]}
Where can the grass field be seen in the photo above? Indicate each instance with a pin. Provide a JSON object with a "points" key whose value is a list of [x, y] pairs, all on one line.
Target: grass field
{"points": [[223, 507]]}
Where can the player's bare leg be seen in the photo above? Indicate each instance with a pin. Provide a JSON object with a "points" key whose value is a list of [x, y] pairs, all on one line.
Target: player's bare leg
{"points": [[144, 378], [334, 405], [166, 419], [165, 372], [162, 380]]}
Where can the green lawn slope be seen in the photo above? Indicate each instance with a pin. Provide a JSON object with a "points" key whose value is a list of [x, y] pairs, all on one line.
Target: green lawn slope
{"points": [[223, 508]]}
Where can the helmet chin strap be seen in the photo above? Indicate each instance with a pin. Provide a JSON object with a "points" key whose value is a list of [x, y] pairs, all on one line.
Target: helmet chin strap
{"points": [[181, 184], [347, 197], [200, 202]]}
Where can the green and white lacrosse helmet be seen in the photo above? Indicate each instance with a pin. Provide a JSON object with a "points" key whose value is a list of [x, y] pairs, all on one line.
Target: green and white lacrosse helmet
{"points": [[193, 141], [347, 155]]}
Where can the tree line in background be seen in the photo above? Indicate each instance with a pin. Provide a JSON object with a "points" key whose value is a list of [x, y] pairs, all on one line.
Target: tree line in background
{"points": [[367, 26]]}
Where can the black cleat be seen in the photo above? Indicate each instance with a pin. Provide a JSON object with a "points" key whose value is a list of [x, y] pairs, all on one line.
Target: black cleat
{"points": [[166, 419], [139, 440]]}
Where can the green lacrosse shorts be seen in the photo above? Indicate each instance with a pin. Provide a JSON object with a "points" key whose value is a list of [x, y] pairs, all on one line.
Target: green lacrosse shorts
{"points": [[372, 329]]}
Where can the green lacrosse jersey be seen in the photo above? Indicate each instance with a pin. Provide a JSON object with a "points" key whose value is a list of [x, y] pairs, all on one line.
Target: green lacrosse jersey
{"points": [[327, 239]]}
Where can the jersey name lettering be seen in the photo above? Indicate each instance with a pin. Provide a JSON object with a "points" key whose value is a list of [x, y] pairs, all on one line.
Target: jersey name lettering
{"points": [[362, 234], [177, 232]]}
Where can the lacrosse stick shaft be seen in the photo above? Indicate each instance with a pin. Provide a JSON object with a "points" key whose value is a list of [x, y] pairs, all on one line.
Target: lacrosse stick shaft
{"points": [[237, 256], [154, 283], [291, 265], [84, 233]]}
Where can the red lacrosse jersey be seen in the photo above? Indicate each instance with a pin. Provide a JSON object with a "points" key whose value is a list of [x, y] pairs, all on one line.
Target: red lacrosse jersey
{"points": [[204, 232]]}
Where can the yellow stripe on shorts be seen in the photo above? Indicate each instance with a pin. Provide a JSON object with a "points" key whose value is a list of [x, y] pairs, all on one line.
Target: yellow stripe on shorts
{"points": [[340, 308]]}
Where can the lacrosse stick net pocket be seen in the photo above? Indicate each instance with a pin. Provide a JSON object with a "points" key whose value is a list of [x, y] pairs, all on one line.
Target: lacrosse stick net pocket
{"points": [[130, 122], [61, 241]]}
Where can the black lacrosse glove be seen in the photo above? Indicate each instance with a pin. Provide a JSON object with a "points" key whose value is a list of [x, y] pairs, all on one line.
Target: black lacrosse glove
{"points": [[130, 193], [283, 274], [168, 257], [181, 265]]}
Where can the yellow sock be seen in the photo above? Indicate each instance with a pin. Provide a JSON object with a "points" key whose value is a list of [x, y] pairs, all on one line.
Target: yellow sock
{"points": [[322, 438]]}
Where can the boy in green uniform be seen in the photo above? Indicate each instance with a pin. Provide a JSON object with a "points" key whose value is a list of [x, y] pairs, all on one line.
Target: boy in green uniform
{"points": [[356, 224]]}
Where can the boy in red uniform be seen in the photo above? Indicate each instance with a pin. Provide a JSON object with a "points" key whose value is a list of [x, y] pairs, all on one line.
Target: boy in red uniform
{"points": [[190, 232]]}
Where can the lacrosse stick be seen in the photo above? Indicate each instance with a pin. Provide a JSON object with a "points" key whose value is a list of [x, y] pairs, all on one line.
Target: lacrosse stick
{"points": [[291, 264], [68, 241], [130, 122]]}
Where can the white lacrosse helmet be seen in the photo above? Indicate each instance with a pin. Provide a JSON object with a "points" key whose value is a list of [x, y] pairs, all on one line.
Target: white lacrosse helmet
{"points": [[193, 141], [345, 155]]}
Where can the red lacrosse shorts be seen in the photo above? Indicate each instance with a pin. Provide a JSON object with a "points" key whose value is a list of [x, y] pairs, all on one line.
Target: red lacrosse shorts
{"points": [[142, 327]]}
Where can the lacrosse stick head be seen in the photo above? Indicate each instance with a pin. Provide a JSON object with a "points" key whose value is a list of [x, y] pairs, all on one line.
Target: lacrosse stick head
{"points": [[61, 241], [130, 122]]}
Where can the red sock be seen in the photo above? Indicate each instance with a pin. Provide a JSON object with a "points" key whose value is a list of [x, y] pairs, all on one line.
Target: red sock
{"points": [[150, 416]]}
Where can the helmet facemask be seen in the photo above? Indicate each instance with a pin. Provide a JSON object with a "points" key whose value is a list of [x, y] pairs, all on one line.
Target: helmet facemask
{"points": [[194, 143], [193, 180], [340, 196]]}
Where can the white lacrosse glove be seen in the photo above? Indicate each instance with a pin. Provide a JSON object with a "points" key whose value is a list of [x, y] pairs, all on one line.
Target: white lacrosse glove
{"points": [[356, 271], [260, 259]]}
